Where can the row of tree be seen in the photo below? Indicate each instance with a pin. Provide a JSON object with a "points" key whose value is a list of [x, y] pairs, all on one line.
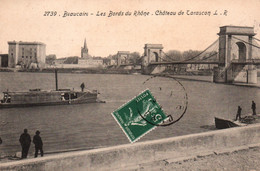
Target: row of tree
{"points": [[175, 55], [136, 58]]}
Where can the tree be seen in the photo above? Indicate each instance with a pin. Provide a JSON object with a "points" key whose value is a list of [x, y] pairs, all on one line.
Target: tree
{"points": [[173, 55], [134, 58], [106, 61], [190, 55], [50, 58]]}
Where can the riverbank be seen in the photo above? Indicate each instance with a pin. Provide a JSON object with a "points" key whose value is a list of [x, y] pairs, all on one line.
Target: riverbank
{"points": [[217, 150], [110, 71], [239, 159], [75, 70]]}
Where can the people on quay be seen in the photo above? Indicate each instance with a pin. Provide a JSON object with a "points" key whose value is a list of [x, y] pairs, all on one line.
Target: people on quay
{"points": [[37, 140], [25, 141], [82, 86], [239, 109], [253, 107]]}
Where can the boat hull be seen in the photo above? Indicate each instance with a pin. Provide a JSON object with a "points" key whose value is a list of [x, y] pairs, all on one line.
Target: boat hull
{"points": [[67, 102], [32, 100], [223, 124]]}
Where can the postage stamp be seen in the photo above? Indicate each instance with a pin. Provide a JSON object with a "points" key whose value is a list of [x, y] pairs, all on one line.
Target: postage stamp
{"points": [[139, 116], [171, 94]]}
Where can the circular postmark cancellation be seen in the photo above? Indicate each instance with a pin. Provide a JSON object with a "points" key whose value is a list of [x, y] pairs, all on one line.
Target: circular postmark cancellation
{"points": [[162, 102], [170, 97]]}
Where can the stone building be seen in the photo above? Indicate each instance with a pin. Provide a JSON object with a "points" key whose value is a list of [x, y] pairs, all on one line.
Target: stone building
{"points": [[90, 63], [26, 53], [3, 60]]}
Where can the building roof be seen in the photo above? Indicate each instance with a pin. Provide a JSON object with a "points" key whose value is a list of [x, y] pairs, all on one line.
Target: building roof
{"points": [[25, 43]]}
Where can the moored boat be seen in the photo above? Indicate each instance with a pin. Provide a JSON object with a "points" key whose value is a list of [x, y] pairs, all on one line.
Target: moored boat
{"points": [[43, 98], [223, 123], [38, 97]]}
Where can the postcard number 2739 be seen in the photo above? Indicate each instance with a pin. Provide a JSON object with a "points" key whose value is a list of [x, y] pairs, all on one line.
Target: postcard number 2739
{"points": [[50, 13]]}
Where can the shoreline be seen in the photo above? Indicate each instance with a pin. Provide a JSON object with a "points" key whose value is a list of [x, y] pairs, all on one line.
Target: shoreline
{"points": [[103, 71], [109, 71], [215, 149], [17, 155]]}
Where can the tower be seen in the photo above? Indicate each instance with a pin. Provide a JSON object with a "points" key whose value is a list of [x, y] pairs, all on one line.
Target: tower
{"points": [[84, 50], [235, 49]]}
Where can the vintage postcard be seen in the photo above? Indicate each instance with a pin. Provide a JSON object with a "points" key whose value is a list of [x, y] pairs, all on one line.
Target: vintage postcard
{"points": [[80, 78]]}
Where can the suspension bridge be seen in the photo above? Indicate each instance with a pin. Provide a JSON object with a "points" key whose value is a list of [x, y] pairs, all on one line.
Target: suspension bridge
{"points": [[235, 53]]}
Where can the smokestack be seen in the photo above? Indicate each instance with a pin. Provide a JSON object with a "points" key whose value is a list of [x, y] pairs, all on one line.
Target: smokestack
{"points": [[56, 79]]}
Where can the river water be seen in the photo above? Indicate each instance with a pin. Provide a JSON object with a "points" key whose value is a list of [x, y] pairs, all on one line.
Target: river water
{"points": [[90, 126]]}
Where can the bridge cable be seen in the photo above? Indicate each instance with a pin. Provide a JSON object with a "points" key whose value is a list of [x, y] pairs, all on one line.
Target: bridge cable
{"points": [[210, 56], [202, 51], [256, 39], [171, 60], [246, 42], [191, 57], [164, 59], [168, 57]]}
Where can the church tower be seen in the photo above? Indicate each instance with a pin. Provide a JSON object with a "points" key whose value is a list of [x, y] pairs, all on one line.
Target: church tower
{"points": [[84, 50]]}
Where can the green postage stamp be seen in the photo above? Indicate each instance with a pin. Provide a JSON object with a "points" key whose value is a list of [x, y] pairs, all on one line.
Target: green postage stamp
{"points": [[139, 116]]}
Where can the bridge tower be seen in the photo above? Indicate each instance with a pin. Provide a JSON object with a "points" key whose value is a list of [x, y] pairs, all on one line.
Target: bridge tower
{"points": [[235, 45], [152, 53], [122, 57]]}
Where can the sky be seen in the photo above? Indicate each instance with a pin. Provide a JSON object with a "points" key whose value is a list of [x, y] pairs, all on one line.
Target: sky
{"points": [[24, 20]]}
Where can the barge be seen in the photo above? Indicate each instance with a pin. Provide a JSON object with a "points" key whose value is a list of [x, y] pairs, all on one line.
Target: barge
{"points": [[38, 97]]}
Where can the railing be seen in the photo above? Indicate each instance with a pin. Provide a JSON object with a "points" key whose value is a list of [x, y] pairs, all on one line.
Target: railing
{"points": [[184, 62], [234, 61], [247, 61]]}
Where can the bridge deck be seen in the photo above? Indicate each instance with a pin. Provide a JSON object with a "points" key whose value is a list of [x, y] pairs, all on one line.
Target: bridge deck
{"points": [[205, 62], [248, 62], [183, 62]]}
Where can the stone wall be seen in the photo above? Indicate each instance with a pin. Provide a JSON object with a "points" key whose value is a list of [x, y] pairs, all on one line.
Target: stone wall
{"points": [[128, 156]]}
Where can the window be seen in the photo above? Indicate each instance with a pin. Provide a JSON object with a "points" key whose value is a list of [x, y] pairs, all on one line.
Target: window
{"points": [[30, 57], [22, 56]]}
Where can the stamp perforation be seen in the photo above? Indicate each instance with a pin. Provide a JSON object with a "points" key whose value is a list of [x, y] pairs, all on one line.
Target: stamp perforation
{"points": [[128, 102]]}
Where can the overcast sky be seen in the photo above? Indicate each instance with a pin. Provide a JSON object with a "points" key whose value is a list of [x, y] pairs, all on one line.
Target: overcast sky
{"points": [[24, 20]]}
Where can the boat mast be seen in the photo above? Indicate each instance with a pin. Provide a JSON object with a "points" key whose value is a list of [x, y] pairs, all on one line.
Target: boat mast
{"points": [[56, 79]]}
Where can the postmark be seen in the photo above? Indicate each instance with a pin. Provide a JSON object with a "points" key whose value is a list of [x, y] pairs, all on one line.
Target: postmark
{"points": [[139, 116], [171, 95]]}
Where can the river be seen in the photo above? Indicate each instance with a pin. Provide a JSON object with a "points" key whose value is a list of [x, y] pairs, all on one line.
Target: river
{"points": [[89, 126]]}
